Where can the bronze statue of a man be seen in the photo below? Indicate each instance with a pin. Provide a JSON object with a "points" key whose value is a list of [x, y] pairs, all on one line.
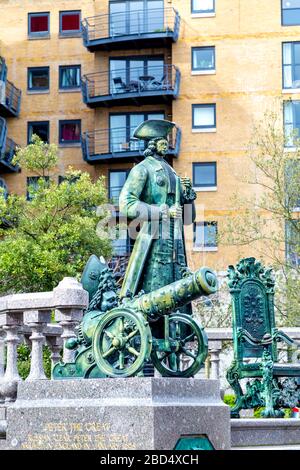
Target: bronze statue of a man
{"points": [[155, 196]]}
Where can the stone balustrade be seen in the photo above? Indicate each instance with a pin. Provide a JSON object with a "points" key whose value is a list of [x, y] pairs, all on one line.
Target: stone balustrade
{"points": [[27, 318]]}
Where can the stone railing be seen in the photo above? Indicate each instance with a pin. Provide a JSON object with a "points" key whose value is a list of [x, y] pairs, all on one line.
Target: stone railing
{"points": [[27, 318]]}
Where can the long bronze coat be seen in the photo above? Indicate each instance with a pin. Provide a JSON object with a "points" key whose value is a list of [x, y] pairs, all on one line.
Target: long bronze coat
{"points": [[155, 260]]}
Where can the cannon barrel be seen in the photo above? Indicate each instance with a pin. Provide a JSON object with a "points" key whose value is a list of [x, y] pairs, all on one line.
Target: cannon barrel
{"points": [[168, 298]]}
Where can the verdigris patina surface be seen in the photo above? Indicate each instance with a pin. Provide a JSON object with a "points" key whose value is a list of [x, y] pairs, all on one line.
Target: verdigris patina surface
{"points": [[149, 318], [255, 336]]}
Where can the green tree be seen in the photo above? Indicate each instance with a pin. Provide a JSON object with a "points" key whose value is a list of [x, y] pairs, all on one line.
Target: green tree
{"points": [[52, 234], [268, 219]]}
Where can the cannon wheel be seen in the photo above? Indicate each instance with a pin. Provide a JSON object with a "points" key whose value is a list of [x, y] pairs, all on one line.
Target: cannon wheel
{"points": [[122, 342], [170, 363]]}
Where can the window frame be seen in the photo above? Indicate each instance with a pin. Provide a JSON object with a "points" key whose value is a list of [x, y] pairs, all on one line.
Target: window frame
{"points": [[282, 10], [193, 49], [110, 171], [294, 120], [203, 11], [68, 142], [41, 90], [127, 116], [205, 246], [29, 123], [204, 105], [39, 34], [201, 164], [69, 32], [61, 67]]}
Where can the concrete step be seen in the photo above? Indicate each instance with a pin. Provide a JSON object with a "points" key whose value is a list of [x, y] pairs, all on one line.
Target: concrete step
{"points": [[265, 433]]}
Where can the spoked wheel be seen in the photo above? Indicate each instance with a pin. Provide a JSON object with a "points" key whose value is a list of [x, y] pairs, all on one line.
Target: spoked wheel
{"points": [[188, 351], [122, 343]]}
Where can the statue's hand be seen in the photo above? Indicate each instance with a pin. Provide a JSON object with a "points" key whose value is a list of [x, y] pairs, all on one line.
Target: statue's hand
{"points": [[176, 212], [186, 182]]}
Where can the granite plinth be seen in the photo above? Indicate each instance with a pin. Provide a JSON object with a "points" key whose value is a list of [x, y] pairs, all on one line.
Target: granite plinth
{"points": [[120, 414]]}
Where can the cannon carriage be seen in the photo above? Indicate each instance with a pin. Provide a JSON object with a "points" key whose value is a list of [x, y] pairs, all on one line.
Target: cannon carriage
{"points": [[116, 339]]}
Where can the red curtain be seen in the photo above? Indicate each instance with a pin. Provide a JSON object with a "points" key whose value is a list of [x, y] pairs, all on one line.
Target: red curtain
{"points": [[70, 22], [70, 132], [39, 24]]}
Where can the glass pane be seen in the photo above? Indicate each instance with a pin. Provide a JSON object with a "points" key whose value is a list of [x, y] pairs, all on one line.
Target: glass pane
{"points": [[42, 130], [203, 5], [70, 132], [296, 78], [204, 175], [38, 79], [291, 17], [204, 116], [291, 3], [199, 235], [210, 233], [287, 76], [118, 76], [118, 135], [155, 16], [136, 17], [120, 245], [287, 53], [203, 59], [70, 22], [39, 24], [155, 70], [117, 18], [135, 120], [136, 70], [70, 77], [116, 183]]}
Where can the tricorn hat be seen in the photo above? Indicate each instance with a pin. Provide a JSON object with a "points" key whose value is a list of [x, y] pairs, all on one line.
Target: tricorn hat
{"points": [[91, 274], [153, 129]]}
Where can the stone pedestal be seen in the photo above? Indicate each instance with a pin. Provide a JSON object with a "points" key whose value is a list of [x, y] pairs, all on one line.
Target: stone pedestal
{"points": [[121, 414]]}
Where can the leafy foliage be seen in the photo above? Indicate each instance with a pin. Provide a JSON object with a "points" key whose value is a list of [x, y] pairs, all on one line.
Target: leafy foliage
{"points": [[269, 221], [52, 234]]}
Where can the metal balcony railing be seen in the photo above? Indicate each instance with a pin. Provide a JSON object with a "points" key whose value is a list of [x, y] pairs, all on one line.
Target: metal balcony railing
{"points": [[116, 143], [150, 25], [3, 70], [10, 99], [7, 150], [123, 85]]}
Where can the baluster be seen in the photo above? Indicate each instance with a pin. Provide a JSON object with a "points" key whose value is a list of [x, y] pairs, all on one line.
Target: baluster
{"points": [[55, 345], [70, 299], [2, 352], [215, 348], [37, 321], [11, 323]]}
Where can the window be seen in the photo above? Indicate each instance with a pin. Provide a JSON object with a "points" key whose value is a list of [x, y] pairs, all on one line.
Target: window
{"points": [[291, 64], [136, 17], [33, 183], [204, 175], [69, 77], [292, 186], [292, 240], [69, 22], [69, 132], [203, 58], [122, 127], [38, 24], [203, 6], [3, 189], [72, 180], [40, 128], [137, 74], [204, 116], [290, 12], [116, 182], [291, 113], [38, 79], [205, 235]]}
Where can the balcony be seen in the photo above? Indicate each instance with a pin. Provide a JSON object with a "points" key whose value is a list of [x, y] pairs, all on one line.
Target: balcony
{"points": [[138, 29], [10, 99], [116, 88], [107, 145], [7, 150], [3, 70]]}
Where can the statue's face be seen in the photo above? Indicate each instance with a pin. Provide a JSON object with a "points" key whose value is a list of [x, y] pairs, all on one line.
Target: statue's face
{"points": [[162, 147]]}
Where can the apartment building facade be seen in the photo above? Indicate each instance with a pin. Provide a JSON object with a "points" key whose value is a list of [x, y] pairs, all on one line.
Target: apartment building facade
{"points": [[90, 71]]}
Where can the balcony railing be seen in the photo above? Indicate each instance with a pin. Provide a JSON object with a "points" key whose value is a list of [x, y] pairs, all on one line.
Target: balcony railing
{"points": [[160, 85], [108, 144], [140, 28], [10, 99], [7, 150]]}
